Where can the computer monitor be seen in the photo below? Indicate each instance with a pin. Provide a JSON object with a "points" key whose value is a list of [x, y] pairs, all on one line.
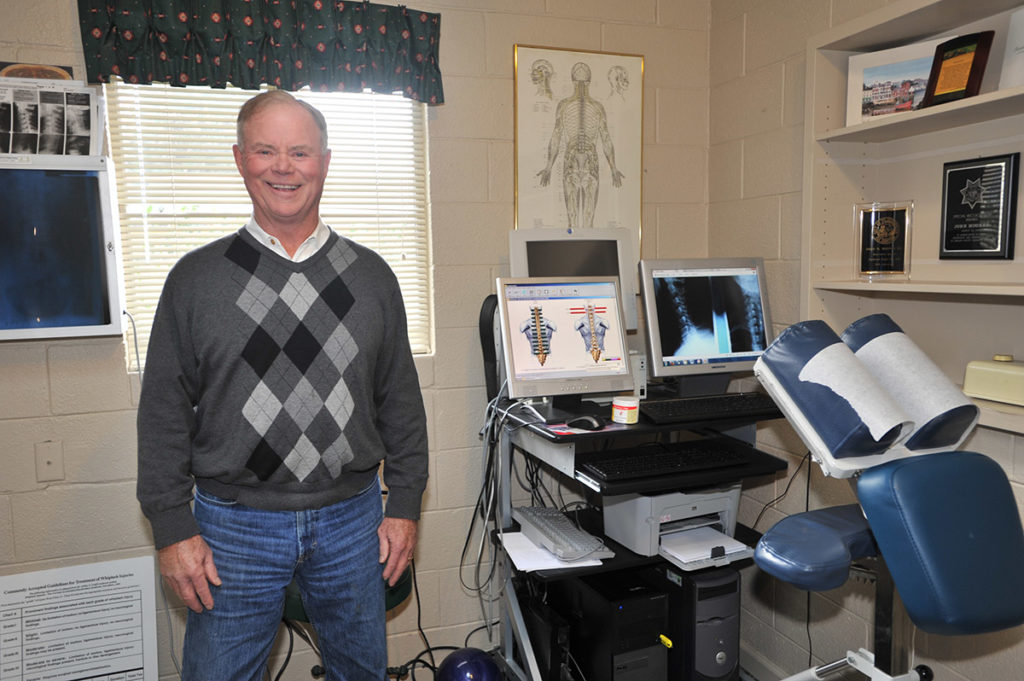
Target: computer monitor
{"points": [[60, 270], [599, 252], [706, 319], [563, 339]]}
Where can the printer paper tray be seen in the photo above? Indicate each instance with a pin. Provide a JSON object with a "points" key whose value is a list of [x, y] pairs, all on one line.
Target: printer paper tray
{"points": [[701, 547]]}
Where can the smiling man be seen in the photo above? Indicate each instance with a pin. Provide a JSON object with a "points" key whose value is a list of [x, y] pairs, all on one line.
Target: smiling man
{"points": [[284, 167], [278, 378]]}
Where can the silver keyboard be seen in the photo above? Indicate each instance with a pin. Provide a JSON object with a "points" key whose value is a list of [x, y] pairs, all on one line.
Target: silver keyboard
{"points": [[551, 530]]}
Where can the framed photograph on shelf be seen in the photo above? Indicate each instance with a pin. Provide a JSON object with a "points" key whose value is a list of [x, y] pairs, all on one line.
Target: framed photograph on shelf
{"points": [[979, 207], [883, 239], [578, 138], [958, 68], [888, 81]]}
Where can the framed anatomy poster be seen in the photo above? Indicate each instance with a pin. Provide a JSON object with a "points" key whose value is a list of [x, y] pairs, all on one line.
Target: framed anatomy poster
{"points": [[578, 138]]}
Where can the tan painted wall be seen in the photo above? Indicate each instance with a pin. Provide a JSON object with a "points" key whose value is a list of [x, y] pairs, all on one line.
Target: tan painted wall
{"points": [[755, 156], [722, 135]]}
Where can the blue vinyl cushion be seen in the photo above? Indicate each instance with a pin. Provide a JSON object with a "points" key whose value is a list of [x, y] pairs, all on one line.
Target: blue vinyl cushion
{"points": [[813, 550], [944, 430], [836, 423], [950, 531]]}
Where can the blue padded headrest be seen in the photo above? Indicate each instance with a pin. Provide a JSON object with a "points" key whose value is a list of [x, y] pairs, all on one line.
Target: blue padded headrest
{"points": [[950, 531], [836, 423], [946, 428], [813, 550]]}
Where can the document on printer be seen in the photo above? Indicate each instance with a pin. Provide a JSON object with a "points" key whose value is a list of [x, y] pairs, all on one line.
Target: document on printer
{"points": [[698, 544]]}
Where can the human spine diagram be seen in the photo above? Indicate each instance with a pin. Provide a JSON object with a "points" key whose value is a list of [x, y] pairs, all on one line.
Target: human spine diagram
{"points": [[581, 124], [592, 329], [538, 331]]}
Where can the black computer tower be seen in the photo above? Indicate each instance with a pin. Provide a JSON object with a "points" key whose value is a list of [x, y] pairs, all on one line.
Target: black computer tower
{"points": [[704, 621], [616, 621], [549, 638]]}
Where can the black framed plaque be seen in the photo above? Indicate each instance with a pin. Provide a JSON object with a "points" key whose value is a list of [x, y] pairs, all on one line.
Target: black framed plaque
{"points": [[979, 207], [883, 239]]}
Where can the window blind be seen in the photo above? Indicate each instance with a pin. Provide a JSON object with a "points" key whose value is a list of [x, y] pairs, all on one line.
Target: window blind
{"points": [[178, 187]]}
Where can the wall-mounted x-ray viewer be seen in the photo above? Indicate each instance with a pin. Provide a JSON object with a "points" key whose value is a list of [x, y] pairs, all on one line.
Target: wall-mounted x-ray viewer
{"points": [[60, 268]]}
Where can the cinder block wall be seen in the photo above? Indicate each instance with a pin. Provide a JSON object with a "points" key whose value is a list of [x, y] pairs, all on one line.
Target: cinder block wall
{"points": [[756, 77], [79, 392], [723, 107]]}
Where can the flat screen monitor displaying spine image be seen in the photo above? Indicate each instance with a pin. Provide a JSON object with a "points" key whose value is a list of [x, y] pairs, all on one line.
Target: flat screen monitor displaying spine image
{"points": [[59, 249], [563, 339], [706, 319]]}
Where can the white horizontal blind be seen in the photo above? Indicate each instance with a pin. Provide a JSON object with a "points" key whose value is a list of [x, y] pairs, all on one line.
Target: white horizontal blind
{"points": [[178, 187]]}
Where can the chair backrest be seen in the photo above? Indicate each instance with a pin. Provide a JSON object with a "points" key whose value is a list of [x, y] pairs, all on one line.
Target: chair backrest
{"points": [[946, 522], [950, 531]]}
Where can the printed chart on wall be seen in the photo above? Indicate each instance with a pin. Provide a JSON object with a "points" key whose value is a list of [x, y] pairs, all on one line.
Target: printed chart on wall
{"points": [[39, 116], [93, 622]]}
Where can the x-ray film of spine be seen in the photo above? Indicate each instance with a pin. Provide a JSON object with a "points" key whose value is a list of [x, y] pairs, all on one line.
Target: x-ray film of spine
{"points": [[54, 118], [705, 316]]}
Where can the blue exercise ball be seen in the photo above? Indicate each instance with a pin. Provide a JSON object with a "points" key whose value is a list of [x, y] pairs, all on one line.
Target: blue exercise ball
{"points": [[467, 664]]}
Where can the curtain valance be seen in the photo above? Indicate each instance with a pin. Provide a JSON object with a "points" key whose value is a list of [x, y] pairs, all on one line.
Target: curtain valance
{"points": [[329, 45]]}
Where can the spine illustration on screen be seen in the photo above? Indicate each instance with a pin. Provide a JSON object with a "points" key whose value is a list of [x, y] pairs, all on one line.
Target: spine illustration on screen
{"points": [[592, 329], [538, 331]]}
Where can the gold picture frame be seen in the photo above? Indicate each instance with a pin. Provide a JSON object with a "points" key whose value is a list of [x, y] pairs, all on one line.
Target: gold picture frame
{"points": [[883, 232], [593, 100]]}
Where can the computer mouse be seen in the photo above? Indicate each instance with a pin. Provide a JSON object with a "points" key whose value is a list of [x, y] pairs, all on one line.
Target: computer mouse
{"points": [[586, 422]]}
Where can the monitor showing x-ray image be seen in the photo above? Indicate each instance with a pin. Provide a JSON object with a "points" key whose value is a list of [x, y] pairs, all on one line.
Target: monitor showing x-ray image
{"points": [[704, 316]]}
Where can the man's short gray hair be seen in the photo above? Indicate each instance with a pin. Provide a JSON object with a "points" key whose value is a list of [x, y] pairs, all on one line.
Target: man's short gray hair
{"points": [[265, 99]]}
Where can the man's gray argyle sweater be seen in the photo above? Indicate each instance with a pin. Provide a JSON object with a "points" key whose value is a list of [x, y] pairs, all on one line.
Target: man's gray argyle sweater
{"points": [[278, 384]]}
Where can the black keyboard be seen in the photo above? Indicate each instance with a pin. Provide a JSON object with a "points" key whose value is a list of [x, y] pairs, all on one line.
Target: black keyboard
{"points": [[709, 408], [667, 459]]}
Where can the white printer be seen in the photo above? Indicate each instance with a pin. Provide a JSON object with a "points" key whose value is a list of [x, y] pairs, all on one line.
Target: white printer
{"points": [[692, 530]]}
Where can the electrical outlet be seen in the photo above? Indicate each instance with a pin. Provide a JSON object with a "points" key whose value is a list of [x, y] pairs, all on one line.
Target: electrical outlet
{"points": [[49, 461]]}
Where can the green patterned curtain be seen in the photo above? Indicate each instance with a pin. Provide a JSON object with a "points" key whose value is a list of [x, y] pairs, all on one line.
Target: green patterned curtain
{"points": [[330, 45]]}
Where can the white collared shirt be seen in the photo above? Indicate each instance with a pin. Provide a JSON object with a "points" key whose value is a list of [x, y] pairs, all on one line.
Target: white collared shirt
{"points": [[305, 250]]}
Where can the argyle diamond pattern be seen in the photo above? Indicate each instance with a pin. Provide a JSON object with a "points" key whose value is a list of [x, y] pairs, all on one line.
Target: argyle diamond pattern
{"points": [[298, 351]]}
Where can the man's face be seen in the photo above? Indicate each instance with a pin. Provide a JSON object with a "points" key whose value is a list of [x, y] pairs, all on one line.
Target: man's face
{"points": [[283, 167]]}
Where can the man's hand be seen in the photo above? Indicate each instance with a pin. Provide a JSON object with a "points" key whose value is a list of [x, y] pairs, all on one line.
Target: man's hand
{"points": [[188, 567], [397, 542]]}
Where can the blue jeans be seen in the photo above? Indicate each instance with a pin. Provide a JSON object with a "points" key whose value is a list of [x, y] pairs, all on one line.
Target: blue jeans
{"points": [[331, 552]]}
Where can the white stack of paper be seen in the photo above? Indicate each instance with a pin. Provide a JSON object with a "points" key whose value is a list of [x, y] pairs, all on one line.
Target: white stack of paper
{"points": [[701, 547], [1013, 59]]}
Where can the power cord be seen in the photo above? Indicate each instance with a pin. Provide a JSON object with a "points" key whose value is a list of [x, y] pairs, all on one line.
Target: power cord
{"points": [[317, 671], [806, 457], [135, 343]]}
